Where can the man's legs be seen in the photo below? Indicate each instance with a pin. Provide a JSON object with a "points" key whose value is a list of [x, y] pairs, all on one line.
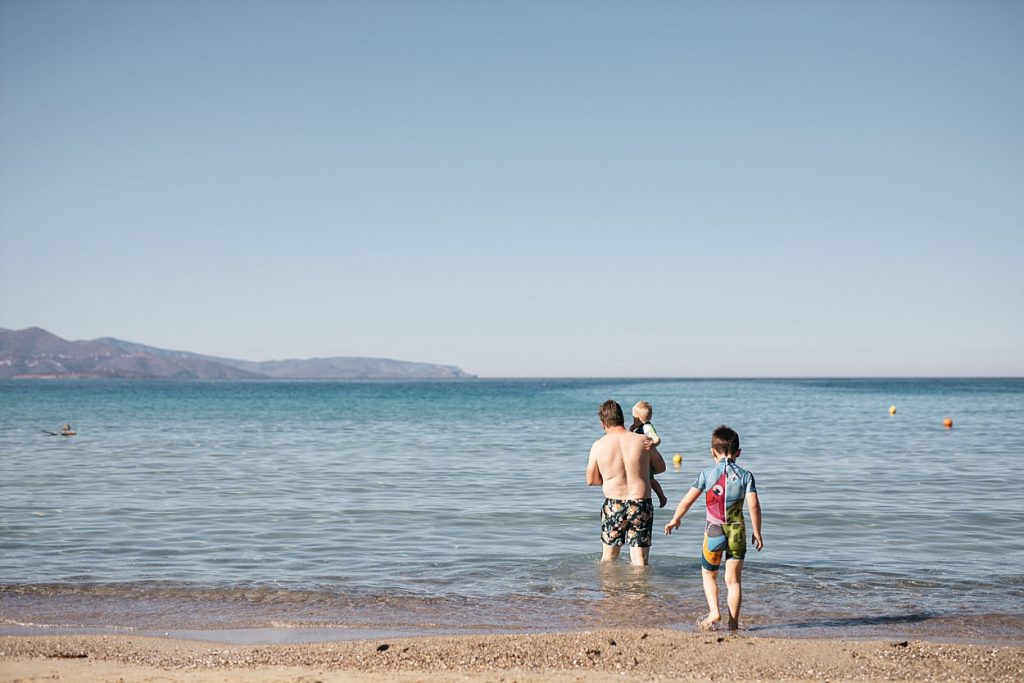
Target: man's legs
{"points": [[710, 579], [638, 556], [733, 581], [610, 553]]}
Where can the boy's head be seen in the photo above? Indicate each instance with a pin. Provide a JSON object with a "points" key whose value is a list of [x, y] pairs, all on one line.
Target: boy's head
{"points": [[642, 411], [725, 443], [610, 413]]}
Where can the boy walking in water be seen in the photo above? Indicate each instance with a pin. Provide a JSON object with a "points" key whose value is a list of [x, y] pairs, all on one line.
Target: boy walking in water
{"points": [[726, 486], [642, 425]]}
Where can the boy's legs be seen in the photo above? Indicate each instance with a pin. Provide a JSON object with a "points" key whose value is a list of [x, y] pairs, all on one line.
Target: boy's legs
{"points": [[733, 581], [710, 579]]}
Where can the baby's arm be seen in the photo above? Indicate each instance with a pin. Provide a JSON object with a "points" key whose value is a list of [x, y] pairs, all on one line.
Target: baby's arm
{"points": [[651, 433], [689, 499], [755, 518]]}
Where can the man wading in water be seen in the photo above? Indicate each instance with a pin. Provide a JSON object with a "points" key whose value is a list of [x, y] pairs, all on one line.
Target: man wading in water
{"points": [[621, 463]]}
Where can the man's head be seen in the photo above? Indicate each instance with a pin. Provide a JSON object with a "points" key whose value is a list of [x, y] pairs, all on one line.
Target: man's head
{"points": [[642, 411], [725, 443], [610, 413]]}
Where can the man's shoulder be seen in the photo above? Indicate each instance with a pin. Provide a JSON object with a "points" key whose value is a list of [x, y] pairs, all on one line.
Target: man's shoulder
{"points": [[635, 440]]}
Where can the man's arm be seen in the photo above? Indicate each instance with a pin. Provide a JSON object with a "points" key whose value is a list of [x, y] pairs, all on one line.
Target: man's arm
{"points": [[594, 477], [657, 462], [755, 518]]}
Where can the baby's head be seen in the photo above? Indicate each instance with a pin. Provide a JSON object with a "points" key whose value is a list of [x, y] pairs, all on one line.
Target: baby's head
{"points": [[642, 411], [725, 443]]}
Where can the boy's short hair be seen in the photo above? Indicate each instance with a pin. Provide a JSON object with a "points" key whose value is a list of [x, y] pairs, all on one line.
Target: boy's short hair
{"points": [[725, 441], [643, 411], [610, 413]]}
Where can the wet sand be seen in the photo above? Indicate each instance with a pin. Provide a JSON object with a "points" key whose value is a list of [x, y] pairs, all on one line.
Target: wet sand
{"points": [[550, 657]]}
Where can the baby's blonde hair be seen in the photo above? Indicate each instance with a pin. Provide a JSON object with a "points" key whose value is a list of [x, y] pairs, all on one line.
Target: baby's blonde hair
{"points": [[642, 410]]}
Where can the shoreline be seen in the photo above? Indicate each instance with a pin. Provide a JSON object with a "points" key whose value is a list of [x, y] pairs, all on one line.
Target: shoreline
{"points": [[642, 654], [274, 636]]}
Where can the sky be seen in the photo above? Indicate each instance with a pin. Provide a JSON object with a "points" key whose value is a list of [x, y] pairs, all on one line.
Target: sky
{"points": [[522, 189]]}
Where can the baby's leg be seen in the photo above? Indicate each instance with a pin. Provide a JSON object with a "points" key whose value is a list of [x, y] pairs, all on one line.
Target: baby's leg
{"points": [[710, 579], [662, 498], [733, 576]]}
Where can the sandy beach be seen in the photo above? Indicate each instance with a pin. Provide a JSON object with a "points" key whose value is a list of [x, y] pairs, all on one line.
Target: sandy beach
{"points": [[549, 657]]}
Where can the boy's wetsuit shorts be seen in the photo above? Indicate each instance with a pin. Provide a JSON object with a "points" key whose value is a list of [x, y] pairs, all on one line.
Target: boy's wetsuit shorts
{"points": [[627, 521], [729, 539]]}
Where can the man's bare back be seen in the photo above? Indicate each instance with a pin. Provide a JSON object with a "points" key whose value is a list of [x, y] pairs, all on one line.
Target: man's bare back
{"points": [[622, 466], [621, 463]]}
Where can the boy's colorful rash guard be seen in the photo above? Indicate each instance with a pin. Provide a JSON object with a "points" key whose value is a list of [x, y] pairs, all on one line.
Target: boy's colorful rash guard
{"points": [[726, 486]]}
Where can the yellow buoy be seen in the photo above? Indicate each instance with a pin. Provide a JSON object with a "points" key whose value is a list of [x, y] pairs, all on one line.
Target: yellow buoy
{"points": [[677, 458], [892, 410]]}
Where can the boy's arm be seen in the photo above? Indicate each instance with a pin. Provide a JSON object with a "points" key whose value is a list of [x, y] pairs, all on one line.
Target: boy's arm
{"points": [[688, 500], [755, 518], [593, 471]]}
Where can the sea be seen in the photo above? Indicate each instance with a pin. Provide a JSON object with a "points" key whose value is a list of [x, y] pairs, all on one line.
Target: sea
{"points": [[299, 511]]}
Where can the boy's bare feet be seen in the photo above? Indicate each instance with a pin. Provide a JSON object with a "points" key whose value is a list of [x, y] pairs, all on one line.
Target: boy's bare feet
{"points": [[734, 625], [709, 623], [662, 500]]}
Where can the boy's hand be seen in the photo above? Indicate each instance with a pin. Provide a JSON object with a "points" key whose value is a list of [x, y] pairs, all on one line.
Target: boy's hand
{"points": [[672, 526], [648, 444], [758, 543]]}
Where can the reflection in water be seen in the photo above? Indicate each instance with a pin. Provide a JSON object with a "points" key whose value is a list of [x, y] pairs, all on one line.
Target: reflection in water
{"points": [[626, 591]]}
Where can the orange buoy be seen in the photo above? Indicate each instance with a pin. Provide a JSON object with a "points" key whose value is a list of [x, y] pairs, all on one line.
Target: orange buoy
{"points": [[948, 423]]}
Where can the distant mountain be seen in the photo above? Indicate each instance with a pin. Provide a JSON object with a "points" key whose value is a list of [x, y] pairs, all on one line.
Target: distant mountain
{"points": [[36, 353], [342, 367]]}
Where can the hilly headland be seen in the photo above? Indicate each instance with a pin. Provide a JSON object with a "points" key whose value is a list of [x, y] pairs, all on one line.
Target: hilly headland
{"points": [[34, 353]]}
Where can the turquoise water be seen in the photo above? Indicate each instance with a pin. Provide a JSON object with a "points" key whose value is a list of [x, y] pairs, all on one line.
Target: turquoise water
{"points": [[437, 506]]}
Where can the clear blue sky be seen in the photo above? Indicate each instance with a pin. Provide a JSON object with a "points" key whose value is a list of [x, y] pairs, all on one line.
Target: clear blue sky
{"points": [[522, 188]]}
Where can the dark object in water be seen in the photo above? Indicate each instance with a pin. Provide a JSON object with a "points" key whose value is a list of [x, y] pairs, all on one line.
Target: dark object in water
{"points": [[66, 430]]}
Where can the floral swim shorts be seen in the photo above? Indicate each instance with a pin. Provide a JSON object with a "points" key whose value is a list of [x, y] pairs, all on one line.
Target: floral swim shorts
{"points": [[627, 521]]}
